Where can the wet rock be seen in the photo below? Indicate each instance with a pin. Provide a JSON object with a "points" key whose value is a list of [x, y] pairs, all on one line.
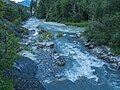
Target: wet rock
{"points": [[103, 52], [24, 73], [50, 44], [118, 65], [27, 84], [113, 58], [60, 63], [87, 44], [50, 71], [91, 46], [102, 57], [41, 45]]}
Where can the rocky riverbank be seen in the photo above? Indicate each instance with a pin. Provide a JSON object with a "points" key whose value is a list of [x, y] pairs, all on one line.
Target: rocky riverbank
{"points": [[103, 52]]}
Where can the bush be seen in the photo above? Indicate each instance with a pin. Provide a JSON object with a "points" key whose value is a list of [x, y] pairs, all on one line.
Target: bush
{"points": [[17, 21], [115, 43], [5, 84], [105, 30], [60, 35], [8, 49], [46, 36]]}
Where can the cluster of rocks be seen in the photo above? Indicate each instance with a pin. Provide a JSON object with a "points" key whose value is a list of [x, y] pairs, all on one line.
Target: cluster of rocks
{"points": [[59, 60], [103, 52], [45, 44]]}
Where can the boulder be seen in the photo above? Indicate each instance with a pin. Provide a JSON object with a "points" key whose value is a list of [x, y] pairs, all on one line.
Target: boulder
{"points": [[50, 44], [60, 63], [91, 46], [87, 44], [28, 84], [41, 45], [24, 73]]}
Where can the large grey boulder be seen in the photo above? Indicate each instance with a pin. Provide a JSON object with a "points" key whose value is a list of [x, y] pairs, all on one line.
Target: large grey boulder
{"points": [[24, 73]]}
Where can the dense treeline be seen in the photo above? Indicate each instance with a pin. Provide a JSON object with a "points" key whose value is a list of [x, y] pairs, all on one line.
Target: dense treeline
{"points": [[103, 15], [11, 14], [62, 10]]}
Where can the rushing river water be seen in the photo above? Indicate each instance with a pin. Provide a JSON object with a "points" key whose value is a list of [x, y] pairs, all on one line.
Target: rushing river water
{"points": [[82, 71]]}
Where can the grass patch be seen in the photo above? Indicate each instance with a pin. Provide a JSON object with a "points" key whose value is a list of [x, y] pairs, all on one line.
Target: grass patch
{"points": [[46, 36], [60, 35], [80, 24]]}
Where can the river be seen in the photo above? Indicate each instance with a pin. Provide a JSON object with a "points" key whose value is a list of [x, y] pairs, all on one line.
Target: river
{"points": [[82, 71]]}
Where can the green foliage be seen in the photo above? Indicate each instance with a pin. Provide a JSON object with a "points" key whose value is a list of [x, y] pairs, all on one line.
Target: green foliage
{"points": [[115, 43], [106, 30], [15, 13], [62, 10], [8, 54], [23, 31], [46, 36], [8, 48], [17, 21], [1, 9], [5, 84], [80, 24], [60, 35]]}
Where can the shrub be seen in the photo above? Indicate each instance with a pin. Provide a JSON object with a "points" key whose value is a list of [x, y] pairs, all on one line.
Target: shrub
{"points": [[60, 35], [105, 30], [5, 84], [8, 49], [46, 36], [115, 43], [17, 21]]}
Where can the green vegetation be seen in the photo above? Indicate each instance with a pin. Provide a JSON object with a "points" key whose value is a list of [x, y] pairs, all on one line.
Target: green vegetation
{"points": [[5, 83], [103, 17], [15, 13], [8, 54], [46, 36], [22, 31], [106, 30], [78, 24], [60, 35], [10, 13], [63, 10], [1, 9]]}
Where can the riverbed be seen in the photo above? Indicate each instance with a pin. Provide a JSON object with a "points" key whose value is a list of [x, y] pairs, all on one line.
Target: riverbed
{"points": [[82, 70]]}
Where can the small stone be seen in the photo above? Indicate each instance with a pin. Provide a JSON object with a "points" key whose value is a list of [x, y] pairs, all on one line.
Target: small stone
{"points": [[60, 63], [41, 45], [87, 44], [50, 71], [50, 44], [118, 65], [91, 46]]}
